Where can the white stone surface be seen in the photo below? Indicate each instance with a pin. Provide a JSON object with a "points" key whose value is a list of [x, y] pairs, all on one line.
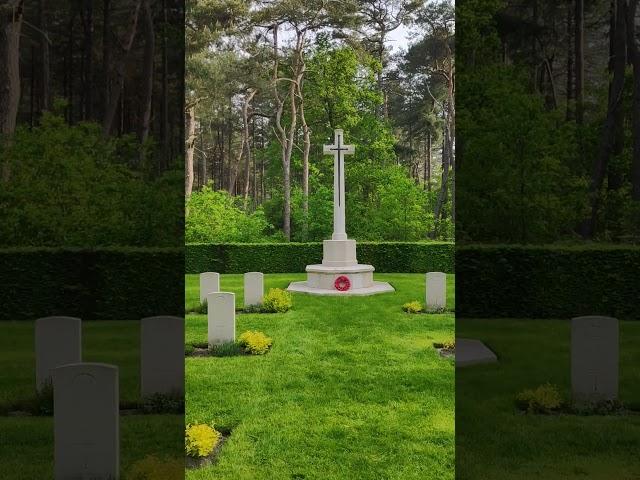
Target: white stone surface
{"points": [[338, 150], [339, 254], [209, 282], [594, 359], [320, 276], [161, 355], [221, 317], [473, 352], [253, 288], [373, 289], [436, 290], [58, 341], [86, 421]]}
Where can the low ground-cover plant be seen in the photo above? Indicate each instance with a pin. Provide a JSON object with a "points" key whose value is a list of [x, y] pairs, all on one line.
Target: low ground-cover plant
{"points": [[163, 403], [412, 307], [255, 343], [202, 308], [228, 349], [277, 301], [544, 399], [604, 407], [200, 440], [434, 309]]}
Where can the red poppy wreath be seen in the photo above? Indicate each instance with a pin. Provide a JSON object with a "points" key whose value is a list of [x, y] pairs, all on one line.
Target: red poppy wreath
{"points": [[342, 283]]}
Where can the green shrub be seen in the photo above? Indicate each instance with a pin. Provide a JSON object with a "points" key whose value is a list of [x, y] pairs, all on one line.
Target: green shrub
{"points": [[200, 440], [255, 343], [71, 185], [388, 257], [544, 399], [97, 284], [276, 301], [214, 216], [514, 281], [412, 307], [163, 403], [43, 400], [201, 308]]}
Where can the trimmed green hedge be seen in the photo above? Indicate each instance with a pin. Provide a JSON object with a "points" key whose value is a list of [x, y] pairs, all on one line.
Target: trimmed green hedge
{"points": [[93, 284], [408, 257], [547, 281]]}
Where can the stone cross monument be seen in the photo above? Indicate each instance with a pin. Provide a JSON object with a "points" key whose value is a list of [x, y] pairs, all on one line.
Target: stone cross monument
{"points": [[338, 150], [339, 273]]}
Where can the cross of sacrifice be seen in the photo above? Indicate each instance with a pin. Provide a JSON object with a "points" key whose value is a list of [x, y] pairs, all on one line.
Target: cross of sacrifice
{"points": [[338, 150]]}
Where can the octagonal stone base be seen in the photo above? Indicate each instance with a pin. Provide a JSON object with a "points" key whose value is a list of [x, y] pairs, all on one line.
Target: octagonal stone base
{"points": [[321, 280]]}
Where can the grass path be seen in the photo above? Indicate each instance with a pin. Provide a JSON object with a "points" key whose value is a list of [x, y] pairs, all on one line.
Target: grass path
{"points": [[352, 389], [494, 441]]}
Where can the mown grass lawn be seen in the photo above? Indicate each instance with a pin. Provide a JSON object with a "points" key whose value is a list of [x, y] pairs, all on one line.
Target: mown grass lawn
{"points": [[352, 388], [26, 443], [494, 441]]}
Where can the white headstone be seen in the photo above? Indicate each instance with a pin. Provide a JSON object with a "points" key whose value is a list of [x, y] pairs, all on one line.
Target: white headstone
{"points": [[209, 282], [162, 355], [594, 359], [338, 150], [253, 288], [86, 421], [221, 317], [58, 342], [436, 290]]}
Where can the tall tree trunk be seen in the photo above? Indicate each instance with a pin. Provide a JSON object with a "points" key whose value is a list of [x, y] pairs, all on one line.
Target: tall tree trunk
{"points": [[442, 194], [45, 96], [608, 139], [164, 114], [634, 57], [106, 54], [285, 139], [306, 148], [10, 26], [570, 113], [427, 162], [245, 133], [147, 77], [87, 60], [70, 71], [579, 62], [118, 86], [190, 141]]}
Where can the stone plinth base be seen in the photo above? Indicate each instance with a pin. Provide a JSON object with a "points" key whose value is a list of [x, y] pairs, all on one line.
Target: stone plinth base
{"points": [[375, 288], [339, 259], [321, 281]]}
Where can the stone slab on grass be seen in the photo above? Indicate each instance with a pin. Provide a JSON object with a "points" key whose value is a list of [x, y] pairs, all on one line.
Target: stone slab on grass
{"points": [[473, 352]]}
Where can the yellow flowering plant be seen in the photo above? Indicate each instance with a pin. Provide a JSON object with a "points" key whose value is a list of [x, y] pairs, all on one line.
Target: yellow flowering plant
{"points": [[200, 439], [255, 343], [412, 307]]}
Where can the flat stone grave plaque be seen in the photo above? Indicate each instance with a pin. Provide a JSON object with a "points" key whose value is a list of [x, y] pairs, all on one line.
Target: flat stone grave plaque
{"points": [[473, 352]]}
